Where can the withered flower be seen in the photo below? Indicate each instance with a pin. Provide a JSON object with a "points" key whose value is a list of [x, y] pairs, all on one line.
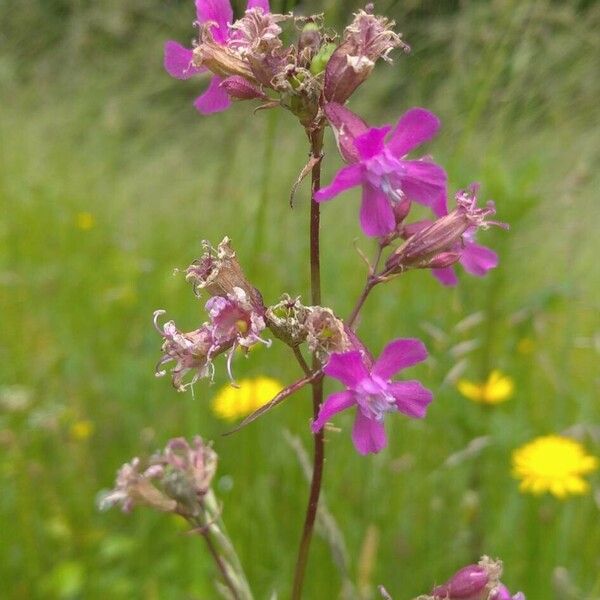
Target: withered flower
{"points": [[367, 39]]}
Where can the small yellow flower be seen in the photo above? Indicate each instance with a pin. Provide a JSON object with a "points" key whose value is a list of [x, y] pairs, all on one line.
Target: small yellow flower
{"points": [[498, 388], [85, 221], [81, 430], [553, 464], [233, 403]]}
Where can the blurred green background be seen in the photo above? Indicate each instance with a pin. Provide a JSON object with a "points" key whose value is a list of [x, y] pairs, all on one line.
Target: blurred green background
{"points": [[109, 179]]}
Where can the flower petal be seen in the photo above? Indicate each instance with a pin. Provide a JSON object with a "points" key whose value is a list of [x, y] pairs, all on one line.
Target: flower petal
{"points": [[370, 143], [425, 182], [445, 276], [399, 354], [346, 128], [334, 403], [347, 367], [412, 398], [178, 61], [415, 127], [478, 260], [220, 12], [264, 4], [215, 98], [346, 178], [368, 435], [376, 214]]}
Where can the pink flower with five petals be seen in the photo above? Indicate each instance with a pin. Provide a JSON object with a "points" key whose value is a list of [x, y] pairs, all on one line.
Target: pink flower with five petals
{"points": [[378, 162], [370, 389]]}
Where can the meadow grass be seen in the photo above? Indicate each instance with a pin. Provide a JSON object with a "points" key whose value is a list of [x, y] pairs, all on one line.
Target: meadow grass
{"points": [[109, 180]]}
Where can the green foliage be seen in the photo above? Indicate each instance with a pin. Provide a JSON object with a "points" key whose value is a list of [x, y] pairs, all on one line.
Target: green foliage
{"points": [[90, 123]]}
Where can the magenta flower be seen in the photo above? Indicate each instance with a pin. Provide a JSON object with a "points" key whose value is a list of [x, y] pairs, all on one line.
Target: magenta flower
{"points": [[379, 165], [368, 386], [178, 59]]}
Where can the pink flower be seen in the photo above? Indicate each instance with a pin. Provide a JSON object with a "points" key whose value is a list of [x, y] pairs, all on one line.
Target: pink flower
{"points": [[370, 389], [178, 59], [191, 352], [379, 164], [234, 323]]}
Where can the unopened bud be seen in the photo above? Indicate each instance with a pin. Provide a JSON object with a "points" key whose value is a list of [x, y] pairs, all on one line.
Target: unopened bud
{"points": [[443, 260], [241, 89], [470, 583], [401, 210], [473, 582], [321, 58]]}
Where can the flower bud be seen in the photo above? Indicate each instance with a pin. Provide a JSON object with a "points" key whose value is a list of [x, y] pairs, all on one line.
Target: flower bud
{"points": [[444, 260], [473, 582], [401, 210], [321, 58], [241, 89], [468, 583]]}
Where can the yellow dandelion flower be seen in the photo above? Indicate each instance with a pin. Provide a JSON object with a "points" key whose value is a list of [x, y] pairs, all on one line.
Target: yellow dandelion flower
{"points": [[553, 464], [498, 388], [85, 221], [233, 403], [81, 430]]}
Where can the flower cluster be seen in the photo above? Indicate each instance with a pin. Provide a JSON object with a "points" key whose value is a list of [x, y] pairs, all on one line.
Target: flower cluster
{"points": [[236, 319], [314, 77], [176, 479], [249, 61]]}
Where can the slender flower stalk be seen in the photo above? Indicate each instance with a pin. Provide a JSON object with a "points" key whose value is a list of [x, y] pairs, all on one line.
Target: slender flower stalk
{"points": [[316, 147]]}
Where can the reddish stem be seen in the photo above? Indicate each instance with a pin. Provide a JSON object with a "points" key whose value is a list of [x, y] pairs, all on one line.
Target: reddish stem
{"points": [[316, 147]]}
